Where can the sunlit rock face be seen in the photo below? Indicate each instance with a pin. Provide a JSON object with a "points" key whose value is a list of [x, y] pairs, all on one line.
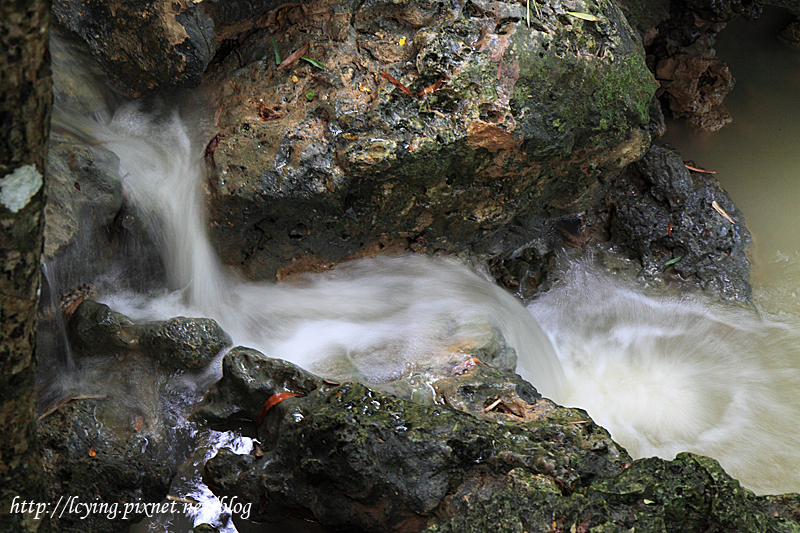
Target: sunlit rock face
{"points": [[489, 120]]}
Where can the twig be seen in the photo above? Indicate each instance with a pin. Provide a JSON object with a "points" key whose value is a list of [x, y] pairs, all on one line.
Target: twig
{"points": [[493, 405]]}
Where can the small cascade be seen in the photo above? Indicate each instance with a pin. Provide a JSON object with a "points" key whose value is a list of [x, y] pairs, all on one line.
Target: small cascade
{"points": [[663, 373], [372, 319]]}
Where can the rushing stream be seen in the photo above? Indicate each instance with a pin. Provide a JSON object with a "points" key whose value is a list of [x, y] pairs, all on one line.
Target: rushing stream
{"points": [[663, 373]]}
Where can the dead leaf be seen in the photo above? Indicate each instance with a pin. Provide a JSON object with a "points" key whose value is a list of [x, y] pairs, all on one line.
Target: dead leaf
{"points": [[293, 57], [695, 169], [428, 90], [721, 211], [583, 16], [64, 401], [466, 365], [182, 500], [274, 400], [397, 84]]}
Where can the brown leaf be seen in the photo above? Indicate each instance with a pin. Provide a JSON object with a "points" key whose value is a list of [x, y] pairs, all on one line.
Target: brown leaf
{"points": [[428, 90], [293, 57], [397, 84], [695, 169]]}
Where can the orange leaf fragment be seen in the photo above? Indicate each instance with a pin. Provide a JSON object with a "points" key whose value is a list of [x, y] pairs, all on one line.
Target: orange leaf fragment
{"points": [[428, 90], [274, 400], [397, 84], [466, 365], [293, 57]]}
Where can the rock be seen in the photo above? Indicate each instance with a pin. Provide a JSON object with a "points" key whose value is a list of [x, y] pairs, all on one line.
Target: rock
{"points": [[87, 460], [143, 45], [356, 457], [790, 35], [83, 197], [315, 165], [727, 10], [183, 343], [665, 215], [694, 83], [689, 494], [205, 528], [90, 229], [95, 329], [178, 343]]}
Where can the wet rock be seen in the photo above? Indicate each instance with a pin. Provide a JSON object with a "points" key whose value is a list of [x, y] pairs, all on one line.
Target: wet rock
{"points": [[689, 494], [205, 528], [356, 457], [790, 35], [694, 83], [666, 217], [143, 45], [314, 165], [527, 267], [83, 197], [87, 460], [480, 390], [727, 10], [89, 227], [178, 343]]}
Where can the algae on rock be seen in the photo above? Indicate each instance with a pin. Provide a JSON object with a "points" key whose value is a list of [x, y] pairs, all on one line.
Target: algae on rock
{"points": [[510, 121]]}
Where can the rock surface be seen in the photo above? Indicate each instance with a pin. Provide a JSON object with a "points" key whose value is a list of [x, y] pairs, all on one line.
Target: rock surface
{"points": [[695, 82], [178, 343], [688, 494], [143, 44], [89, 460], [315, 165], [666, 215], [352, 456]]}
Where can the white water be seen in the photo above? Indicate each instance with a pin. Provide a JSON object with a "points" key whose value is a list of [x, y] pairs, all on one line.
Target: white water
{"points": [[666, 374], [663, 374], [374, 319]]}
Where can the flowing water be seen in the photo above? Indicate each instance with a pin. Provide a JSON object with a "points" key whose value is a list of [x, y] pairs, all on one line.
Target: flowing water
{"points": [[663, 373]]}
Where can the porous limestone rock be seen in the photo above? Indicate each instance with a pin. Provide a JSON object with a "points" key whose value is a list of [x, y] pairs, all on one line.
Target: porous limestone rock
{"points": [[313, 165]]}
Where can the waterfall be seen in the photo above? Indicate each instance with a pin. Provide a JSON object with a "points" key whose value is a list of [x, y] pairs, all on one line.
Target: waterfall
{"points": [[372, 319], [663, 373]]}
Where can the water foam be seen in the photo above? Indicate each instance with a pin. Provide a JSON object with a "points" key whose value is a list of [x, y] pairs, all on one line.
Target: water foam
{"points": [[663, 374], [372, 319], [666, 374]]}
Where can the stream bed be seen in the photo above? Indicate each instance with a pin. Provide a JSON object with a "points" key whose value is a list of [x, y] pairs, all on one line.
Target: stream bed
{"points": [[664, 373]]}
